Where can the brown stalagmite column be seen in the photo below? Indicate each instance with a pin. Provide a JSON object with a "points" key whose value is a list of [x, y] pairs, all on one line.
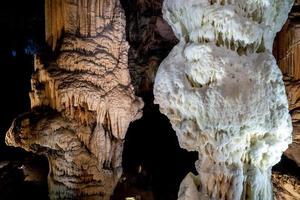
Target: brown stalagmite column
{"points": [[82, 101]]}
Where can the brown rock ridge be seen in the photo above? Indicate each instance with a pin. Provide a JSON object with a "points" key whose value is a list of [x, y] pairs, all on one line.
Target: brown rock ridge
{"points": [[287, 53], [86, 17], [293, 92], [89, 87], [285, 187], [150, 38]]}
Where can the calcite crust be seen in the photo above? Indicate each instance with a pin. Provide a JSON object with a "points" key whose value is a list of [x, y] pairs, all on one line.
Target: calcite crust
{"points": [[223, 92]]}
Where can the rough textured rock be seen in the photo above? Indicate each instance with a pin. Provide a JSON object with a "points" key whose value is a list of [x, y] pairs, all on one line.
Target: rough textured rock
{"points": [[287, 53], [150, 38], [224, 94], [285, 187], [74, 171], [89, 85], [293, 92], [85, 17], [287, 47]]}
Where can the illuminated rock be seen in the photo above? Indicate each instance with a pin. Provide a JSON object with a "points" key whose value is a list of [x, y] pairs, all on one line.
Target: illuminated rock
{"points": [[74, 171], [224, 94], [293, 93], [285, 187], [287, 53], [89, 85]]}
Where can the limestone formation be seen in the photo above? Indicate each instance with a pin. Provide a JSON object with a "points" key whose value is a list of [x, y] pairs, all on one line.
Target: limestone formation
{"points": [[287, 53], [223, 92], [150, 38], [84, 17], [88, 87], [293, 92], [285, 187]]}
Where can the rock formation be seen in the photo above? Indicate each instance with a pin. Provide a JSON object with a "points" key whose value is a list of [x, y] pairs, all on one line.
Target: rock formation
{"points": [[293, 92], [287, 53], [150, 38], [91, 100], [224, 94], [285, 187]]}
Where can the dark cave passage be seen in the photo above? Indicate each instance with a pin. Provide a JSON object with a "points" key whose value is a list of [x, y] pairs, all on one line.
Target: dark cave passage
{"points": [[151, 146]]}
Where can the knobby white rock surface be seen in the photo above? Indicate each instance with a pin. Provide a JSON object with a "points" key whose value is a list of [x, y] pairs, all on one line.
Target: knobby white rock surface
{"points": [[224, 95], [88, 85]]}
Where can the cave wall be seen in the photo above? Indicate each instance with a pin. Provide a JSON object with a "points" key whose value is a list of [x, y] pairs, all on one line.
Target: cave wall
{"points": [[150, 39], [287, 52]]}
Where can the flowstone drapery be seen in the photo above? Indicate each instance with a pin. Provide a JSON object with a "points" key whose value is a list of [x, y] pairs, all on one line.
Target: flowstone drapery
{"points": [[224, 95], [82, 101]]}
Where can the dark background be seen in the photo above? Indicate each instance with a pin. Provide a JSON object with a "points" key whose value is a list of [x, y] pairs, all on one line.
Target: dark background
{"points": [[22, 31]]}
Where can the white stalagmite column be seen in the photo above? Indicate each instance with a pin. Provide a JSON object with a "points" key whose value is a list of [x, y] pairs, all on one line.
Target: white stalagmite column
{"points": [[224, 95]]}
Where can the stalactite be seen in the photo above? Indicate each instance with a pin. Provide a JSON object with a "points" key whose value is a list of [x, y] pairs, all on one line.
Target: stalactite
{"points": [[88, 17]]}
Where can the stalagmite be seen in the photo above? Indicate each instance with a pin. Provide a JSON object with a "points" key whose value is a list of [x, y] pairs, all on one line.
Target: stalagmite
{"points": [[224, 94], [88, 88]]}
